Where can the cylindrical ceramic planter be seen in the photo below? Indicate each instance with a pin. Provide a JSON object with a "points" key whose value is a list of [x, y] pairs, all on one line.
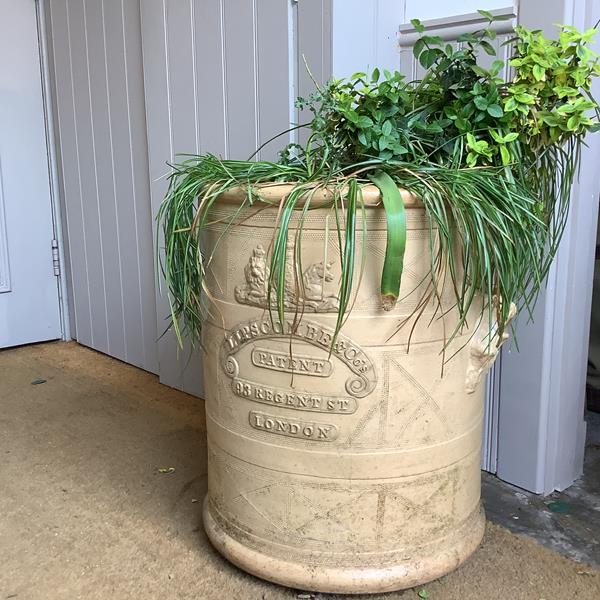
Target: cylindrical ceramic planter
{"points": [[354, 470]]}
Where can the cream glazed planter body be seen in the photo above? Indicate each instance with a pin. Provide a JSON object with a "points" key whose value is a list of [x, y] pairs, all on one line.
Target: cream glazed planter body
{"points": [[353, 471]]}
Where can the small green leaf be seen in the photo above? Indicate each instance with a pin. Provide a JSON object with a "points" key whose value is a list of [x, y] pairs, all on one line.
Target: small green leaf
{"points": [[573, 122], [387, 128], [424, 594], [434, 128], [536, 58], [497, 138], [166, 470], [418, 47], [511, 137], [539, 73], [565, 91], [525, 98], [469, 38], [350, 115], [449, 112], [428, 57], [479, 71], [489, 49], [461, 124], [364, 122], [419, 27], [566, 109], [496, 67], [375, 76], [433, 40], [495, 110], [480, 102], [467, 110], [505, 155], [488, 15]]}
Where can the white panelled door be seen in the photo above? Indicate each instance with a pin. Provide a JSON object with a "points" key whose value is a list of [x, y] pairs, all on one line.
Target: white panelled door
{"points": [[29, 300]]}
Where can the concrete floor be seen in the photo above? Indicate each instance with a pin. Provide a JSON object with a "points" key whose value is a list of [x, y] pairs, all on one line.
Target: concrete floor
{"points": [[567, 522], [102, 474]]}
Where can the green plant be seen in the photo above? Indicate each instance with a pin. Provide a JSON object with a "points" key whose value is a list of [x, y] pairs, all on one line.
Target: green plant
{"points": [[492, 161]]}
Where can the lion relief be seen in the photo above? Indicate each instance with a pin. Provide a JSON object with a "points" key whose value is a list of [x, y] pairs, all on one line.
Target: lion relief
{"points": [[311, 297]]}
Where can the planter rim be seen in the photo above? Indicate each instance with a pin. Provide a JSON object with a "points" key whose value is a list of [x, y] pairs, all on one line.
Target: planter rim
{"points": [[272, 193]]}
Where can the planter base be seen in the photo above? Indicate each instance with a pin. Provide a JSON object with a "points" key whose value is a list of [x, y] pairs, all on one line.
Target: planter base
{"points": [[303, 570]]}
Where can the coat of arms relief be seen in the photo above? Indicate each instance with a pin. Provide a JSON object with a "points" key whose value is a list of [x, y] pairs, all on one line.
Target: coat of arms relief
{"points": [[310, 296]]}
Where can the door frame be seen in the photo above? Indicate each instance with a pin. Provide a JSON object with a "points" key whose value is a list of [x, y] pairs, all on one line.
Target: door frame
{"points": [[43, 31]]}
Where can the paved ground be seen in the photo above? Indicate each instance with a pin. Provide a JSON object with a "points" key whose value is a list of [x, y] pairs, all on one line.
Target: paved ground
{"points": [[568, 521], [85, 512]]}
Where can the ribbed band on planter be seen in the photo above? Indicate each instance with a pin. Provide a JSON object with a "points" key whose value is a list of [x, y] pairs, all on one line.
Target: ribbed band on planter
{"points": [[350, 471]]}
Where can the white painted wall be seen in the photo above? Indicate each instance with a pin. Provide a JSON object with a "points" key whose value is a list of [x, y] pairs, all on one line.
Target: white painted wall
{"points": [[365, 35]]}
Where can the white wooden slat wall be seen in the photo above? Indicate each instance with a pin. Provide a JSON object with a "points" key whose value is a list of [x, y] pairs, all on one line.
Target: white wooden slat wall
{"points": [[96, 67], [313, 30], [218, 78], [136, 84]]}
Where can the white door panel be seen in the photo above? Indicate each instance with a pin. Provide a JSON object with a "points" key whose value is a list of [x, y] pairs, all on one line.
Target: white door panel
{"points": [[29, 302]]}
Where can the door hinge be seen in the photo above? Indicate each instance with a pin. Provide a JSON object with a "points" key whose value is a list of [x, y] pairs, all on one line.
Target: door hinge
{"points": [[55, 258]]}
